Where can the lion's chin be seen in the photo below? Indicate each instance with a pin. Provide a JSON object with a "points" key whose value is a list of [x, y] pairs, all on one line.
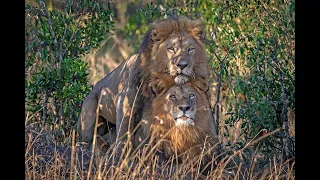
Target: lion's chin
{"points": [[181, 79], [184, 122]]}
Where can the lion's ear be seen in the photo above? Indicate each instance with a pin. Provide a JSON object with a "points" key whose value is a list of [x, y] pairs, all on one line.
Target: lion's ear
{"points": [[160, 83], [156, 89], [201, 84], [204, 86], [199, 33], [154, 35], [202, 36], [197, 30]]}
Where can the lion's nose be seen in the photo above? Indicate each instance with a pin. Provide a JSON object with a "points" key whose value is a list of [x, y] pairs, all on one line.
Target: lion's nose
{"points": [[184, 108], [182, 65]]}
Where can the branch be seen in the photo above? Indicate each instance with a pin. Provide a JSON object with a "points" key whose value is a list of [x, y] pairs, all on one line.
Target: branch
{"points": [[267, 135], [239, 40], [42, 5], [285, 119], [216, 108], [61, 42], [72, 36], [57, 45], [224, 58]]}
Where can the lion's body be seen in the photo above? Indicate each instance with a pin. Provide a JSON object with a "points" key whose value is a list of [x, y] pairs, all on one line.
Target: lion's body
{"points": [[112, 85], [172, 47]]}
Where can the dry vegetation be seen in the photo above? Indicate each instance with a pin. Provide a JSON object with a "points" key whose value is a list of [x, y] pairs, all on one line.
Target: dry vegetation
{"points": [[46, 158]]}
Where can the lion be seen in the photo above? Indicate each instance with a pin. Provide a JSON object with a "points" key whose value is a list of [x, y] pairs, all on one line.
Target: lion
{"points": [[183, 114], [179, 121], [172, 46]]}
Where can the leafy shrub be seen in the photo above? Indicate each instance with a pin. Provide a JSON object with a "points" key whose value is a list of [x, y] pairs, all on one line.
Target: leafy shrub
{"points": [[56, 77]]}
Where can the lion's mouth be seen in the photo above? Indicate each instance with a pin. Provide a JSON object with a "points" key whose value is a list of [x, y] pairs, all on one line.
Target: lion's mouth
{"points": [[184, 120], [181, 72], [187, 71], [184, 117]]}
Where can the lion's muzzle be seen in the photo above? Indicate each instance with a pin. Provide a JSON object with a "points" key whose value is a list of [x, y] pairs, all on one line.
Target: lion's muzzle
{"points": [[181, 63], [184, 121]]}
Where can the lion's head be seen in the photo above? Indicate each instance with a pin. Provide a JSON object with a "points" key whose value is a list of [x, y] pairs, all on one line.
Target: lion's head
{"points": [[175, 46], [181, 115], [181, 104]]}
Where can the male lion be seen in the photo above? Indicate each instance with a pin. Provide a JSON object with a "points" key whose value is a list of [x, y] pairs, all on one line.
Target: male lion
{"points": [[181, 118], [172, 46]]}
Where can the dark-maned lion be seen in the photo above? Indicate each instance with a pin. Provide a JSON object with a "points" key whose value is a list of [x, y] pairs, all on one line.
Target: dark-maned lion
{"points": [[172, 46], [181, 118]]}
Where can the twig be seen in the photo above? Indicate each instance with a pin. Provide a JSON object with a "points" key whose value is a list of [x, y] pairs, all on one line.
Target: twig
{"points": [[30, 144], [72, 35], [57, 45], [239, 40], [60, 53], [28, 118], [95, 134], [238, 152], [42, 5], [73, 150], [287, 142], [216, 109], [44, 115], [267, 135]]}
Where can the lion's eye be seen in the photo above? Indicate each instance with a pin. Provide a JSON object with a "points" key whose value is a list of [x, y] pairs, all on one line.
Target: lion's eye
{"points": [[171, 50], [191, 96], [172, 97], [190, 50]]}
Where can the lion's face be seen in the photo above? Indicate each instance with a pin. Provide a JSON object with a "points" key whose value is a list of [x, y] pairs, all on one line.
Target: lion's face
{"points": [[179, 113], [177, 48], [180, 51], [181, 103]]}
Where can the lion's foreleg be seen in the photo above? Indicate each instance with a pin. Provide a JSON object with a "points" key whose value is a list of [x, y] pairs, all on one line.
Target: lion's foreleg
{"points": [[124, 123], [86, 121]]}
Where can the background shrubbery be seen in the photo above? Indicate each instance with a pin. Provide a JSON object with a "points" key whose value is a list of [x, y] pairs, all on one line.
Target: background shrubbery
{"points": [[251, 45], [56, 77]]}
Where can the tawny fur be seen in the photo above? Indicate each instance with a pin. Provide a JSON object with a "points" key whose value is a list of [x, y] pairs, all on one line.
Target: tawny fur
{"points": [[127, 88], [159, 124]]}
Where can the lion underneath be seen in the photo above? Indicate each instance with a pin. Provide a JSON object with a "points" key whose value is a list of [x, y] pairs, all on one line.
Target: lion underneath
{"points": [[181, 118]]}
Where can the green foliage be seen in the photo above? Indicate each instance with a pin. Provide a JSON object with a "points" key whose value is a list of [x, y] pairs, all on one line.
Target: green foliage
{"points": [[138, 24], [56, 77], [250, 44], [251, 47]]}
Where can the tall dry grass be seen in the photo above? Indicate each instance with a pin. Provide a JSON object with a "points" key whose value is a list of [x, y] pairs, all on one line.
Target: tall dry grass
{"points": [[45, 158]]}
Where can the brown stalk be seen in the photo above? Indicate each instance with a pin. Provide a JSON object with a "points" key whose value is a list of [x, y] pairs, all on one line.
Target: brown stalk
{"points": [[94, 135]]}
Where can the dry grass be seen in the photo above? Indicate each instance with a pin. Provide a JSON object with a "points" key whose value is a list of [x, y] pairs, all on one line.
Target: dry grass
{"points": [[46, 160]]}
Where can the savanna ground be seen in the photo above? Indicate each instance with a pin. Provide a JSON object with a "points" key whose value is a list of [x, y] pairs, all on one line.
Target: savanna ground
{"points": [[70, 45]]}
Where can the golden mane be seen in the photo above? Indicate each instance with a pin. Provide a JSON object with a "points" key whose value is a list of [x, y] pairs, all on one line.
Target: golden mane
{"points": [[163, 28], [151, 51], [160, 124]]}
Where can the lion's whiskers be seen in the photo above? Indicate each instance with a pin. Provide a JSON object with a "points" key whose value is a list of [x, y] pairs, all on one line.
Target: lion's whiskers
{"points": [[192, 75], [203, 107]]}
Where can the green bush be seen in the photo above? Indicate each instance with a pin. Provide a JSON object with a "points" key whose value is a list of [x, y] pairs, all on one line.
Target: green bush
{"points": [[56, 77]]}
